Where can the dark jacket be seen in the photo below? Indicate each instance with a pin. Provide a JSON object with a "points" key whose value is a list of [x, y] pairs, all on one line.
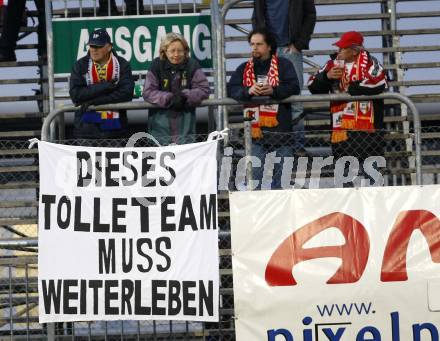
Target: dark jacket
{"points": [[288, 86], [100, 93], [302, 19], [320, 84], [361, 144], [163, 81]]}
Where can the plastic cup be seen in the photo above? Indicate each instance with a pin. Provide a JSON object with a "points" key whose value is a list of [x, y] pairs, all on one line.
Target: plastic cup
{"points": [[262, 79], [339, 63]]}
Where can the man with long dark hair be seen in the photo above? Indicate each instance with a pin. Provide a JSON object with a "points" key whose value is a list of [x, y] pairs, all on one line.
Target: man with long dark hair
{"points": [[266, 74], [292, 23]]}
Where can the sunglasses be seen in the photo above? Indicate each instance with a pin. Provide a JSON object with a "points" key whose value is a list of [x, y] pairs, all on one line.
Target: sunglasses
{"points": [[96, 47]]}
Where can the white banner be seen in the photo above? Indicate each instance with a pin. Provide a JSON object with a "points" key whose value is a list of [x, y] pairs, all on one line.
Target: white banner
{"points": [[128, 233], [337, 264]]}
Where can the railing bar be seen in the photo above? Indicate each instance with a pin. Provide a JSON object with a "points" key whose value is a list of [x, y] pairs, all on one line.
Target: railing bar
{"points": [[11, 229], [65, 9], [17, 248], [11, 307], [171, 328], [26, 273]]}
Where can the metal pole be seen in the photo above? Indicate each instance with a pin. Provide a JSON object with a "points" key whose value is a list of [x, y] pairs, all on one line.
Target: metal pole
{"points": [[393, 16], [222, 69], [50, 60], [418, 135], [222, 56], [400, 74], [216, 48], [51, 85], [248, 153], [11, 307], [22, 242]]}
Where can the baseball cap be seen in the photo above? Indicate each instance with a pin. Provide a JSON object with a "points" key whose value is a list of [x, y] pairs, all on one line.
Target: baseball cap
{"points": [[351, 38], [99, 37]]}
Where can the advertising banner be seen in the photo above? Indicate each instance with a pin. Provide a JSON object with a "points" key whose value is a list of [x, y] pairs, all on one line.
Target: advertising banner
{"points": [[337, 264], [136, 38], [128, 233]]}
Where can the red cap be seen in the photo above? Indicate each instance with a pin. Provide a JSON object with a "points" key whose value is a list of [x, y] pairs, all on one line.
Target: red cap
{"points": [[349, 39]]}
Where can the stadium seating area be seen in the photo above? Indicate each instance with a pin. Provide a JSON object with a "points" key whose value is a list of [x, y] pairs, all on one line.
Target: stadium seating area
{"points": [[404, 37]]}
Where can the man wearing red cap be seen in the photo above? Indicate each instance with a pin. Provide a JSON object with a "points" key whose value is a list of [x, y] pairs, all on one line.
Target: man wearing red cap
{"points": [[355, 124]]}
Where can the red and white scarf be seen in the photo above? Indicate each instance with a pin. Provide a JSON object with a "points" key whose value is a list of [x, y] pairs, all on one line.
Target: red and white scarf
{"points": [[113, 70], [357, 115], [112, 73], [266, 118]]}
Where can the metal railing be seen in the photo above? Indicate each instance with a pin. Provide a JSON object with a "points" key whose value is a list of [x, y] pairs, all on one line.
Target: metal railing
{"points": [[312, 98], [222, 120], [88, 331]]}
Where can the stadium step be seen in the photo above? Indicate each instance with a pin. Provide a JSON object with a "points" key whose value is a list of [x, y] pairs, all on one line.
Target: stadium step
{"points": [[18, 164], [18, 169], [18, 221], [27, 46], [16, 204], [20, 115], [20, 185], [21, 64], [21, 152], [24, 29], [21, 98], [20, 81], [20, 133]]}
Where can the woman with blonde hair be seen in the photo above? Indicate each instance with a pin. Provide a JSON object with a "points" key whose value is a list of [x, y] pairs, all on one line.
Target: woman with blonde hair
{"points": [[177, 84]]}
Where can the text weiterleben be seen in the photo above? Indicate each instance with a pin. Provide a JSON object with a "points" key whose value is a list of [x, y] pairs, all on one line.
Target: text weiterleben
{"points": [[146, 169]]}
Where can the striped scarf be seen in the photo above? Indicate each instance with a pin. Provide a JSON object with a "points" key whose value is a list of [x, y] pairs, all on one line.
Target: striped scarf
{"points": [[107, 120], [266, 119], [358, 115]]}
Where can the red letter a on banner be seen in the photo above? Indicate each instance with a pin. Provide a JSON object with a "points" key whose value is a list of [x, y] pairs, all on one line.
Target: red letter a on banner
{"points": [[354, 253], [394, 258]]}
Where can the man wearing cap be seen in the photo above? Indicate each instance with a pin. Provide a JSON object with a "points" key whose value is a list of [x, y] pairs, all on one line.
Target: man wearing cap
{"points": [[355, 124], [100, 77]]}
